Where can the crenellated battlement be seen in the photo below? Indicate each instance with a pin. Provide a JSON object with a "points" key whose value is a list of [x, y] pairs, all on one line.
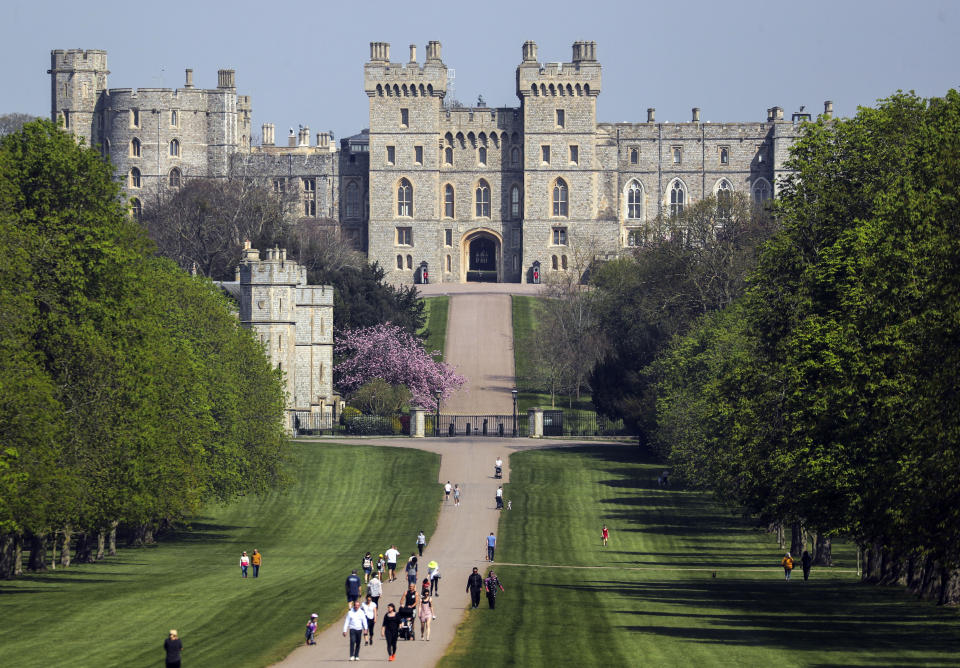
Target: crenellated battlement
{"points": [[580, 77], [78, 60], [383, 78]]}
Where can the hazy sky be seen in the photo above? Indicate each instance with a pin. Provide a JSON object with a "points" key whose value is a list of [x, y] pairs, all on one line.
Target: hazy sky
{"points": [[302, 62]]}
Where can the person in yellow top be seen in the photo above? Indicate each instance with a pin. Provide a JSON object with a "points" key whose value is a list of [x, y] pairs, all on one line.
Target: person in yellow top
{"points": [[787, 563], [255, 559]]}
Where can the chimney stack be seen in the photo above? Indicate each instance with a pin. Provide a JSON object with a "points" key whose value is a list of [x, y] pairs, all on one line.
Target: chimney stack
{"points": [[413, 54], [189, 82], [529, 52], [696, 114], [268, 137], [828, 109], [651, 115]]}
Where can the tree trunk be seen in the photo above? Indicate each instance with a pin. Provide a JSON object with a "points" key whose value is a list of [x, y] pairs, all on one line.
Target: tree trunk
{"points": [[796, 539], [6, 556], [823, 555], [18, 555], [780, 534], [112, 550], [101, 540], [950, 591], [148, 537], [53, 551], [38, 553], [65, 550]]}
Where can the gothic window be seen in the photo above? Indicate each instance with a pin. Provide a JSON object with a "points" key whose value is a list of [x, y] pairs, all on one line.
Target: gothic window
{"points": [[136, 209], [678, 197], [560, 199], [309, 208], [134, 118], [483, 200], [174, 118], [353, 200], [724, 192], [449, 263], [515, 155], [66, 118], [135, 148], [175, 178], [409, 262], [563, 262], [399, 262], [482, 155], [404, 236], [404, 198], [634, 156], [309, 185], [175, 148], [515, 202], [554, 262], [448, 237], [448, 156], [448, 202], [724, 155], [106, 148], [761, 191], [635, 201], [516, 262], [134, 178], [559, 236], [677, 152]]}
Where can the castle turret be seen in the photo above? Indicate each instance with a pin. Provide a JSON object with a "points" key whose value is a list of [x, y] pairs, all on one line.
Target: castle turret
{"points": [[77, 78]]}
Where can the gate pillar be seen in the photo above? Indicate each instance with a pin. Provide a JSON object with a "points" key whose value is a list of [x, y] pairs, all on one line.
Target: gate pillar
{"points": [[535, 415]]}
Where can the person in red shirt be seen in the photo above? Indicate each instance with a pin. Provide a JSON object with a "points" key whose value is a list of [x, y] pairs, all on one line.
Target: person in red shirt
{"points": [[606, 534]]}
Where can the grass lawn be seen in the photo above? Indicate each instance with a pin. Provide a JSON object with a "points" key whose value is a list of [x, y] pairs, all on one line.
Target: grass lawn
{"points": [[346, 500], [436, 309], [632, 609]]}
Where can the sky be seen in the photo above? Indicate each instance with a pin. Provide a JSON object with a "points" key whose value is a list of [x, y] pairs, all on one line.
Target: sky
{"points": [[302, 62]]}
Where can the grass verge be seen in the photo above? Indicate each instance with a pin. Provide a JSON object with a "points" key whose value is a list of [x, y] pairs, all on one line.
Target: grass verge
{"points": [[634, 606], [435, 324], [346, 500]]}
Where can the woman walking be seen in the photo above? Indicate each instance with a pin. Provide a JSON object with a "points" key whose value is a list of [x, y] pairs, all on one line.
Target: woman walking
{"points": [[787, 563], [173, 646], [456, 495], [412, 570], [390, 630], [367, 566], [426, 613], [370, 610]]}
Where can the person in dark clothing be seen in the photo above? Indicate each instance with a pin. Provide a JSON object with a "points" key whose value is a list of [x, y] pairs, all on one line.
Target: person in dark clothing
{"points": [[390, 629], [806, 561], [353, 587], [173, 646], [491, 584], [475, 586]]}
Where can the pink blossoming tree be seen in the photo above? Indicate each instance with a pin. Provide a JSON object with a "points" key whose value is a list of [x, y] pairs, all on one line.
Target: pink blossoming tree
{"points": [[391, 353]]}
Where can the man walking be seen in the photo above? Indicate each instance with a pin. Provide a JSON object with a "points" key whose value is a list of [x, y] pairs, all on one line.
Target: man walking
{"points": [[353, 587], [491, 546], [421, 541], [500, 498], [392, 555], [375, 588], [475, 586], [356, 624], [491, 584], [256, 559], [446, 491]]}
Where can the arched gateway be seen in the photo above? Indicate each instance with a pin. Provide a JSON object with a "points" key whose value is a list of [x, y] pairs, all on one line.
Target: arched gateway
{"points": [[483, 258]]}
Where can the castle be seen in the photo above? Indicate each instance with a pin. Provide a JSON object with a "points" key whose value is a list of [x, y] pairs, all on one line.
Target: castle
{"points": [[467, 193]]}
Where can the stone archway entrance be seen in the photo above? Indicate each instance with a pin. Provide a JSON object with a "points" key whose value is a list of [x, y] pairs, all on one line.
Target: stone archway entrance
{"points": [[482, 263]]}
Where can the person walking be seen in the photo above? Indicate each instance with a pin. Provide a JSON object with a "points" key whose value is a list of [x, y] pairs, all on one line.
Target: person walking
{"points": [[500, 498], [490, 585], [498, 468], [456, 495], [353, 587], [367, 565], [787, 563], [605, 534], [375, 588], [311, 631], [409, 602], [244, 564], [806, 561], [491, 546], [256, 559], [369, 608], [446, 491], [356, 624], [172, 645], [433, 572], [412, 569], [421, 541], [381, 565], [392, 555], [390, 630], [475, 586], [426, 614]]}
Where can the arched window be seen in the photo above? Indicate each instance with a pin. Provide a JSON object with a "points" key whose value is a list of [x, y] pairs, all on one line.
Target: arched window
{"points": [[134, 148], [482, 155], [678, 197], [409, 262], [724, 193], [515, 155], [134, 178], [404, 198], [560, 199], [554, 263], [106, 148], [761, 191], [174, 118], [449, 263], [175, 178], [515, 202], [483, 199], [635, 201], [175, 148], [399, 262], [448, 201], [563, 262], [634, 156], [136, 209], [516, 262], [448, 156]]}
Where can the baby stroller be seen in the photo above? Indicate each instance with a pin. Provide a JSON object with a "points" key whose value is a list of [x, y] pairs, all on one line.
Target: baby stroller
{"points": [[497, 472], [406, 625]]}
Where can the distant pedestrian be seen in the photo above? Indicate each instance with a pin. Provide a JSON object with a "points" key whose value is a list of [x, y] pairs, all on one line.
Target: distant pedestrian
{"points": [[375, 588], [311, 632], [787, 563], [446, 491], [421, 541], [433, 572], [491, 546], [390, 630], [381, 565], [367, 565], [256, 559], [806, 561], [244, 564], [392, 555], [370, 610], [456, 495], [500, 498], [356, 624], [409, 602], [352, 585], [426, 615], [491, 585], [172, 645], [605, 534], [412, 569], [475, 586]]}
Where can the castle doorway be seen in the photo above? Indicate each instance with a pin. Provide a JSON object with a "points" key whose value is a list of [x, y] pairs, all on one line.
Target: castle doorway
{"points": [[483, 258]]}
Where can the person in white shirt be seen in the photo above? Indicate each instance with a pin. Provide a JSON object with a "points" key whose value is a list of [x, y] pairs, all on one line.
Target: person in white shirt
{"points": [[392, 555], [446, 491], [370, 610], [421, 541], [500, 498], [356, 623], [374, 588]]}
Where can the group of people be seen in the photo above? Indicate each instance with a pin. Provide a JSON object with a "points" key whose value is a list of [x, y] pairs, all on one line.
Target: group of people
{"points": [[246, 562], [449, 489], [477, 583], [806, 562]]}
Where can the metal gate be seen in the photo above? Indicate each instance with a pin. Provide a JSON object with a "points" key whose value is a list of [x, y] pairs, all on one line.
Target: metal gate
{"points": [[477, 425]]}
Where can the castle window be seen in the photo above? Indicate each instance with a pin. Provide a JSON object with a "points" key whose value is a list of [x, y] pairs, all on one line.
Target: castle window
{"points": [[761, 191], [399, 262], [559, 236], [759, 154], [482, 156], [66, 118], [174, 118], [309, 208], [483, 200], [136, 209], [561, 118], [404, 198], [724, 155], [404, 236], [448, 202], [134, 148], [448, 156], [279, 186], [449, 264], [309, 185], [677, 152], [448, 237], [106, 148], [391, 155], [418, 154], [678, 197], [724, 192], [404, 118], [134, 118], [353, 200], [409, 262], [560, 199], [175, 148], [554, 263], [574, 154], [545, 155], [515, 202], [635, 238], [635, 201], [634, 156], [100, 121], [175, 178], [516, 262], [134, 178], [563, 262], [515, 155]]}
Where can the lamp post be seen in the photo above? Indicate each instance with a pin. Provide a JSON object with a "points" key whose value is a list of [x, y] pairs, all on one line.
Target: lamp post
{"points": [[436, 421], [514, 393]]}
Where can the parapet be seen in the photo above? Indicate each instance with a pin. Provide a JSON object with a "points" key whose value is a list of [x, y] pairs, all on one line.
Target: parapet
{"points": [[78, 60], [581, 76], [383, 78]]}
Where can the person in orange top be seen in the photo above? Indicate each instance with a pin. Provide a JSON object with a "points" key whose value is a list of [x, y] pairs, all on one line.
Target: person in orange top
{"points": [[787, 563], [255, 559]]}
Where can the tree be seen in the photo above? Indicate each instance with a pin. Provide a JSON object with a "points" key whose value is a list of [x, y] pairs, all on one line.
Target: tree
{"points": [[10, 123], [378, 397], [392, 354]]}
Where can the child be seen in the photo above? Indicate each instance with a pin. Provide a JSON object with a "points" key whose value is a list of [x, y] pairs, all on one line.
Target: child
{"points": [[367, 567], [605, 534], [381, 564], [311, 629]]}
